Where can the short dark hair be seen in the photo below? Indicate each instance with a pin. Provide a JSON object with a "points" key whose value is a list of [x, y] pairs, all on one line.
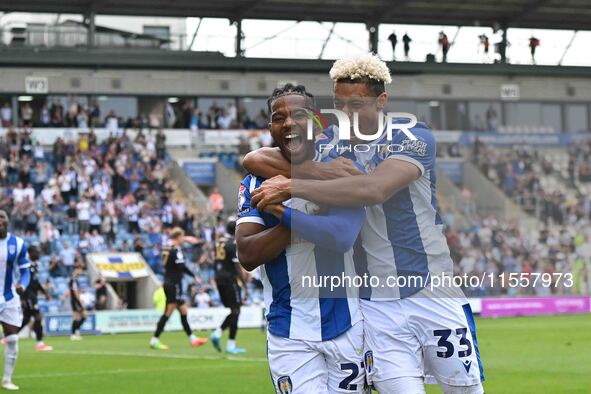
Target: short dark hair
{"points": [[287, 89], [375, 86]]}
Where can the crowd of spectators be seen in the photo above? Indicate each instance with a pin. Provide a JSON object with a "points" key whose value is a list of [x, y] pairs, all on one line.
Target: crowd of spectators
{"points": [[227, 116], [519, 173], [182, 114], [82, 196], [500, 251], [579, 163], [560, 246]]}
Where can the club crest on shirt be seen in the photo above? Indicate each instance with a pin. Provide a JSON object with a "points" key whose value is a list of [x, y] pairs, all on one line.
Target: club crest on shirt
{"points": [[241, 198], [12, 249], [368, 358], [284, 385]]}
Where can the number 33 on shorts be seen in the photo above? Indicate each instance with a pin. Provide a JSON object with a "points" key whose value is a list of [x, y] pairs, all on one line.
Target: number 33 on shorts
{"points": [[452, 355]]}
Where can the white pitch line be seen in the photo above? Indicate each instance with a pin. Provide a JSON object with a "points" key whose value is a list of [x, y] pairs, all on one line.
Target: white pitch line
{"points": [[110, 372], [160, 355]]}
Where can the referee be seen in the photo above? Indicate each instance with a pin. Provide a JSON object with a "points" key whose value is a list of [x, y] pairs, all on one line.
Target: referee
{"points": [[174, 264], [228, 274]]}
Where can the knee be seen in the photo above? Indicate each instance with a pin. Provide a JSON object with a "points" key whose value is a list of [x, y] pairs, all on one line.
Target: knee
{"points": [[235, 312], [474, 389]]}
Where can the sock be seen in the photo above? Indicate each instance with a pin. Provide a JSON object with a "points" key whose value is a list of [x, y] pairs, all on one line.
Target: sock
{"points": [[186, 325], [10, 354], [160, 325], [192, 338], [217, 332], [231, 344], [74, 324], [38, 328], [154, 341]]}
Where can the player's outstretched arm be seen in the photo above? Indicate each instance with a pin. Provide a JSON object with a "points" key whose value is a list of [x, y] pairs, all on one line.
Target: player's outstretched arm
{"points": [[257, 245], [269, 162], [266, 163], [364, 190], [337, 230], [361, 190]]}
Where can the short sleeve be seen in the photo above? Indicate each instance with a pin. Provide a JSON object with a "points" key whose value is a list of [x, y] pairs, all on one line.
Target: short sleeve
{"points": [[420, 152], [247, 214]]}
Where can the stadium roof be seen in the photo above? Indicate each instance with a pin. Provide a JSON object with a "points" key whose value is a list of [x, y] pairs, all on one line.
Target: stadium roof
{"points": [[544, 14]]}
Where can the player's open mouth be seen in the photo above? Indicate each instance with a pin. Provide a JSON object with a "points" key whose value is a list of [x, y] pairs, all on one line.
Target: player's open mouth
{"points": [[293, 142]]}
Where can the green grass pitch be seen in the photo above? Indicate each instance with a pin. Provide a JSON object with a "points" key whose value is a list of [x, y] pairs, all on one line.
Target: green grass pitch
{"points": [[521, 355]]}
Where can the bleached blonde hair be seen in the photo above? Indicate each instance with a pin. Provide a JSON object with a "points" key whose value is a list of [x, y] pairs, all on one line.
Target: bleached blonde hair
{"points": [[361, 66]]}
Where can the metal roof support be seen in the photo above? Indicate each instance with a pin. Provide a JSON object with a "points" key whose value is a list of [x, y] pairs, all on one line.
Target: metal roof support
{"points": [[190, 47], [373, 30], [91, 28], [239, 37], [503, 44], [568, 47], [453, 40], [326, 40]]}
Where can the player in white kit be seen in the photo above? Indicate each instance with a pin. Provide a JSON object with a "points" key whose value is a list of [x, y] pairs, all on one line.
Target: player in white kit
{"points": [[13, 256], [412, 332], [315, 338]]}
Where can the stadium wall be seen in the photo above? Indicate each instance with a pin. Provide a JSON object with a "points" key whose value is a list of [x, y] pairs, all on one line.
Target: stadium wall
{"points": [[260, 84], [144, 320]]}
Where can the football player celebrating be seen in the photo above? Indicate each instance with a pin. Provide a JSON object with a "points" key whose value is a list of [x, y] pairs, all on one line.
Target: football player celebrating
{"points": [[411, 331], [315, 335], [13, 255]]}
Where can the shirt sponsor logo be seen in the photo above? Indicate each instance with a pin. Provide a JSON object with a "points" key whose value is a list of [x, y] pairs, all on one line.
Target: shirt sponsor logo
{"points": [[417, 147]]}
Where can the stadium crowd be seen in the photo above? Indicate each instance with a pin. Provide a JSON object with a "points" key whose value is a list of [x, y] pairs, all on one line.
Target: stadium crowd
{"points": [[495, 248], [532, 181], [182, 114], [83, 196], [529, 178]]}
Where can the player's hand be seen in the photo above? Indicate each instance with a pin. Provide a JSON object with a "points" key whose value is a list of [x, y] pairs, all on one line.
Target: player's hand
{"points": [[198, 280], [19, 290], [272, 191], [339, 168], [275, 210]]}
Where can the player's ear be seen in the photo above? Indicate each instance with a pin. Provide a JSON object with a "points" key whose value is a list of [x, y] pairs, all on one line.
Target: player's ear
{"points": [[382, 101]]}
